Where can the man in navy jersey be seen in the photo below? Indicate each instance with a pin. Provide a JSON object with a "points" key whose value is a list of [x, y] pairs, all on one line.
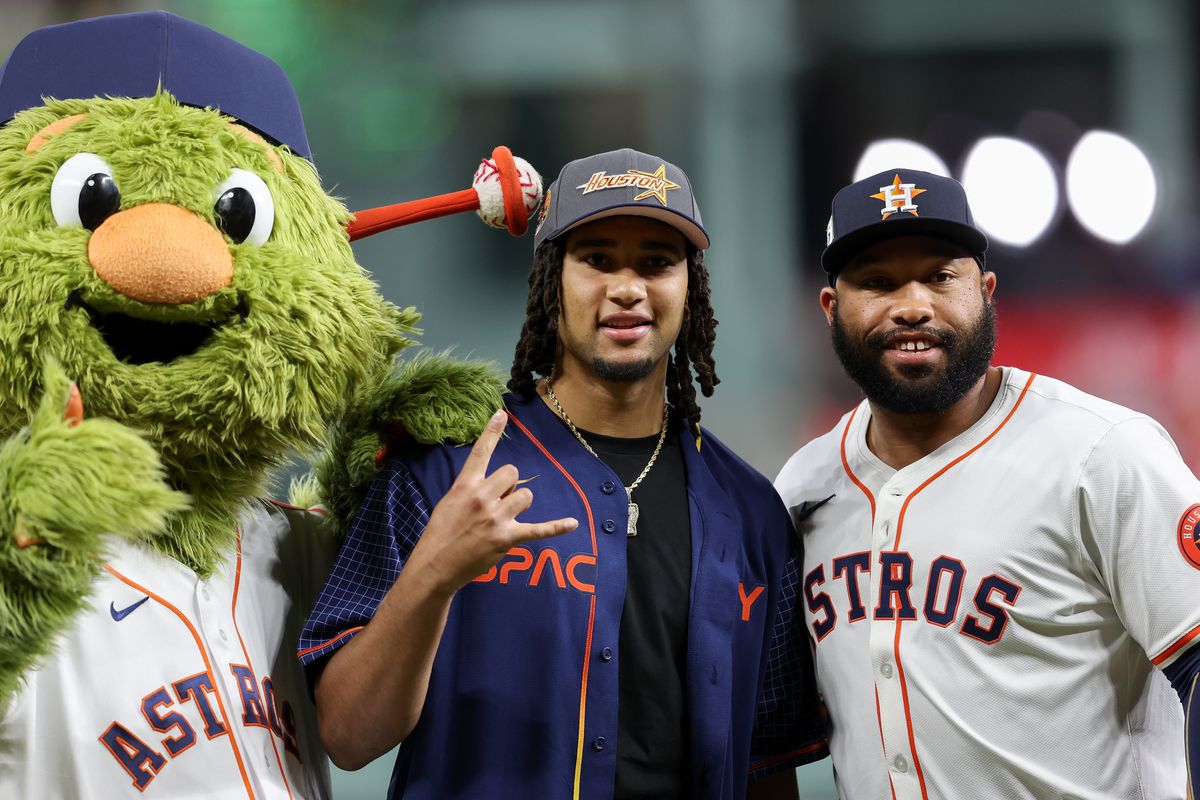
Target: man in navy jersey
{"points": [[596, 603]]}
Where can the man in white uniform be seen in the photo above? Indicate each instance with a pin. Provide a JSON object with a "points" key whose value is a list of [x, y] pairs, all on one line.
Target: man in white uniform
{"points": [[999, 569]]}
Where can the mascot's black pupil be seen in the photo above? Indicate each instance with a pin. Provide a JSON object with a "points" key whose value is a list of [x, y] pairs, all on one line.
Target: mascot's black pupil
{"points": [[99, 199], [235, 214]]}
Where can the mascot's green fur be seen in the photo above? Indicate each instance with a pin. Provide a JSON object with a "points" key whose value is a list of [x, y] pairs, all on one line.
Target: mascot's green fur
{"points": [[168, 452]]}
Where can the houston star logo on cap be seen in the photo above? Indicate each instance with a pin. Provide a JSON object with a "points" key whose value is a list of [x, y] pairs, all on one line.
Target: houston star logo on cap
{"points": [[895, 193], [655, 184], [656, 188]]}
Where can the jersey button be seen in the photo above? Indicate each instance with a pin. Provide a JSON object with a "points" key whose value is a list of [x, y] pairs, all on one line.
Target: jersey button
{"points": [[886, 670], [606, 654], [900, 764], [607, 487], [609, 526], [598, 743]]}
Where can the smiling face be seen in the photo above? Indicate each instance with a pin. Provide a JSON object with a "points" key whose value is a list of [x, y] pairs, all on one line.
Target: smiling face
{"points": [[624, 291], [913, 323], [196, 282]]}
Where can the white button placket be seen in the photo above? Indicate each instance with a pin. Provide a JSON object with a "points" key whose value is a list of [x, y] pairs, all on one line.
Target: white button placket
{"points": [[217, 626], [892, 719]]}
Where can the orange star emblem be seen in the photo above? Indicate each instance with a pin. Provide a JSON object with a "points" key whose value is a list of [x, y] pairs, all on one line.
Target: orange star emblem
{"points": [[660, 184], [898, 197]]}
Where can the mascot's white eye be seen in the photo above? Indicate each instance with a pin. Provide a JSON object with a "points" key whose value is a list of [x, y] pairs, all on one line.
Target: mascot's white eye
{"points": [[244, 207], [84, 192]]}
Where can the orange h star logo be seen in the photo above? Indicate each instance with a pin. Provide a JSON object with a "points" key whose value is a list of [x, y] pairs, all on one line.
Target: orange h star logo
{"points": [[898, 197]]}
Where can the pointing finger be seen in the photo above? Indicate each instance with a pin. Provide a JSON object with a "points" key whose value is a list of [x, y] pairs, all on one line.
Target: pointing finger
{"points": [[528, 531], [481, 452]]}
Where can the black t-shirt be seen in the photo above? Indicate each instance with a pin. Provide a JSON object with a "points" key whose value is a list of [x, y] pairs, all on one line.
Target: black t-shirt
{"points": [[652, 747]]}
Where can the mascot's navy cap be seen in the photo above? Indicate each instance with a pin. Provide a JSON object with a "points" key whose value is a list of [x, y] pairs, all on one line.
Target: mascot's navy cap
{"points": [[132, 55]]}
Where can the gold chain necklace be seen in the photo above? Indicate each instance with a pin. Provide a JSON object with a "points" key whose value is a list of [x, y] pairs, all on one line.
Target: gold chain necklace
{"points": [[631, 529]]}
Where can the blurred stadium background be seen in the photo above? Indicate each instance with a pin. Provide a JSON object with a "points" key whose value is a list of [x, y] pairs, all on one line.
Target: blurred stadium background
{"points": [[1072, 123]]}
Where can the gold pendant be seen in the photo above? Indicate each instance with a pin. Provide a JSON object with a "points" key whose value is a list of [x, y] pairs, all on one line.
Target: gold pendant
{"points": [[631, 529]]}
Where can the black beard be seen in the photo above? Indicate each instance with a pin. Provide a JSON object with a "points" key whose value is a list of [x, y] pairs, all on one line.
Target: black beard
{"points": [[922, 389], [622, 372]]}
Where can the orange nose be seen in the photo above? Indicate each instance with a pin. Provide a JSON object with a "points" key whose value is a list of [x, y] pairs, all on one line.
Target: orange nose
{"points": [[160, 253]]}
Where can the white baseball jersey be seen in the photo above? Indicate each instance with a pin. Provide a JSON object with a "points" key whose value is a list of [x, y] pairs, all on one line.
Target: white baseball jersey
{"points": [[987, 620], [174, 687]]}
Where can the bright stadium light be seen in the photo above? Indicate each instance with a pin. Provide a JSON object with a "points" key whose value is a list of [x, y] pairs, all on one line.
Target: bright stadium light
{"points": [[1110, 186], [1012, 189], [892, 153]]}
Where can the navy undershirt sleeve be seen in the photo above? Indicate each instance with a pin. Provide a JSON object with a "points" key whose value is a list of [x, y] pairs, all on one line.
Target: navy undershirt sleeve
{"points": [[1184, 675]]}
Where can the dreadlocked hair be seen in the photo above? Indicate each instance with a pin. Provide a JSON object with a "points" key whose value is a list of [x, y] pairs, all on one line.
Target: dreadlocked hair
{"points": [[538, 344]]}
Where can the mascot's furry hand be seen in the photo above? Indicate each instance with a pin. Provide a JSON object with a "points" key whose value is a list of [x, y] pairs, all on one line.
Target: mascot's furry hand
{"points": [[429, 398], [64, 483], [111, 478]]}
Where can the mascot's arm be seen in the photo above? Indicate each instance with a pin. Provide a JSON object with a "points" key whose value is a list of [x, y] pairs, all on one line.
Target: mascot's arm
{"points": [[64, 483], [428, 399]]}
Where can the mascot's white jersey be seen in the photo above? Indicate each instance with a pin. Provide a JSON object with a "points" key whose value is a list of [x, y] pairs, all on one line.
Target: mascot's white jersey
{"points": [[987, 620], [174, 687]]}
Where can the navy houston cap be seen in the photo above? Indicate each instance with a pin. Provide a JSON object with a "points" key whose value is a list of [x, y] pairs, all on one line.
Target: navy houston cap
{"points": [[899, 202], [131, 55], [617, 183]]}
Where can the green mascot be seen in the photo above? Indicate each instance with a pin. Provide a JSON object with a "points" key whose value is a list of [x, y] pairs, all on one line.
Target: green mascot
{"points": [[180, 311]]}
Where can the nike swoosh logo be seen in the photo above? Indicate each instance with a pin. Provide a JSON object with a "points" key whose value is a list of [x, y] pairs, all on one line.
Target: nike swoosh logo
{"points": [[805, 510], [526, 480], [125, 612]]}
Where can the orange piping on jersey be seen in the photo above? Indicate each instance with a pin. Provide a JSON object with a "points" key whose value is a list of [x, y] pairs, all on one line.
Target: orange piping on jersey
{"points": [[912, 741], [212, 675], [328, 642], [1175, 648], [587, 647], [799, 751], [853, 477], [237, 582], [870, 499]]}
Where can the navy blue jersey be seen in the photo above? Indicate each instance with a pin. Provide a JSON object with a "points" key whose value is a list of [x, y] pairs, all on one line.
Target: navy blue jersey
{"points": [[522, 701]]}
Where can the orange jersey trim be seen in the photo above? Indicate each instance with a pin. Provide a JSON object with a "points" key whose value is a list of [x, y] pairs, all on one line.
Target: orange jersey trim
{"points": [[237, 582], [207, 665], [328, 642], [870, 499], [587, 648], [912, 741], [1179, 644], [896, 546], [850, 473]]}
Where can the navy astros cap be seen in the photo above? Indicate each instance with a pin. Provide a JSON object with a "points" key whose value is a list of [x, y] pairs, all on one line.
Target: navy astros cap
{"points": [[619, 183], [899, 202], [132, 55]]}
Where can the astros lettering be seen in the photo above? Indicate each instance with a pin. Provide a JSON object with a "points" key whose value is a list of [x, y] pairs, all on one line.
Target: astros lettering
{"points": [[942, 596], [164, 712]]}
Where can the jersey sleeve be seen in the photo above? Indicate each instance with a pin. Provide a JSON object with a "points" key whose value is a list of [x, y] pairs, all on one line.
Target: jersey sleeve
{"points": [[379, 541], [1139, 509], [790, 722]]}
